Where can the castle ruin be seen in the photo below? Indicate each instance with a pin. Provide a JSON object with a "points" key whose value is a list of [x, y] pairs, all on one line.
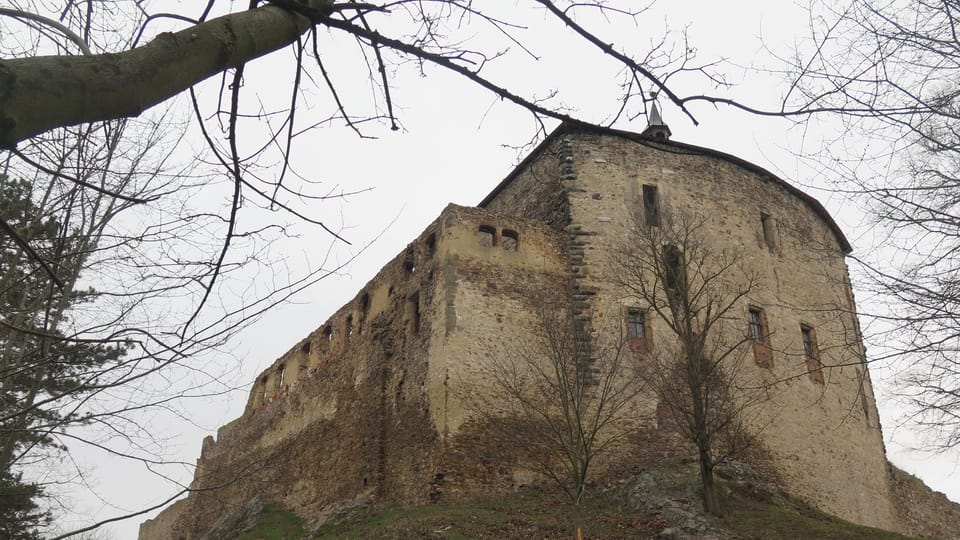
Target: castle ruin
{"points": [[367, 405]]}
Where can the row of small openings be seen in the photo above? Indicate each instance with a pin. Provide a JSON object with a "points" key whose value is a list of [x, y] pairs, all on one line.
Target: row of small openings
{"points": [[763, 352], [410, 264], [509, 239], [651, 216], [637, 330], [348, 322]]}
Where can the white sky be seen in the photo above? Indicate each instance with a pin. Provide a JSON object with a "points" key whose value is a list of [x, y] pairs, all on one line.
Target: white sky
{"points": [[451, 150]]}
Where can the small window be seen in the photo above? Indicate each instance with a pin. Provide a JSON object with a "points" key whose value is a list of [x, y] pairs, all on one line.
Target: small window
{"points": [[756, 325], [413, 313], [349, 329], [328, 333], [432, 244], [364, 309], [651, 206], [487, 236], [305, 348], [811, 354], [672, 267], [510, 240], [806, 334], [636, 324], [280, 373], [769, 227], [758, 334]]}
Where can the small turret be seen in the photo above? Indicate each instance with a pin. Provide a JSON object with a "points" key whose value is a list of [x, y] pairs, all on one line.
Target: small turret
{"points": [[656, 129]]}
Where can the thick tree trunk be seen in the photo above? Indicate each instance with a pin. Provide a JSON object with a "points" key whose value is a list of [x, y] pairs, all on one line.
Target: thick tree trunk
{"points": [[44, 92], [711, 500]]}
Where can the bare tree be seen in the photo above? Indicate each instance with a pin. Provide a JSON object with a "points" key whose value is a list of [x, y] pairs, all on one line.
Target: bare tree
{"points": [[558, 396], [96, 61], [429, 33], [697, 294], [888, 70]]}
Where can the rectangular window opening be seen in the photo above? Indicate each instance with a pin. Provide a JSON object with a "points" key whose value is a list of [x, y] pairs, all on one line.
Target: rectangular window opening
{"points": [[758, 334], [811, 353], [651, 206], [769, 226], [413, 313], [487, 236], [673, 267], [636, 324], [807, 335], [511, 240], [756, 325]]}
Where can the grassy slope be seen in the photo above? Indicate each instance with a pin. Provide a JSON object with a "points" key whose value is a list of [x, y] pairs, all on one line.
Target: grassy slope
{"points": [[536, 514]]}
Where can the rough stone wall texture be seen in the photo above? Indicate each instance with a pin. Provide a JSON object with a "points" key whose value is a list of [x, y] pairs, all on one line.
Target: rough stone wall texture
{"points": [[372, 404], [369, 404], [924, 512], [824, 438]]}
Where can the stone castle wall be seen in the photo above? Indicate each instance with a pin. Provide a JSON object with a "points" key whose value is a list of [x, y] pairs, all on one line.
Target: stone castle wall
{"points": [[821, 429], [372, 403], [368, 404]]}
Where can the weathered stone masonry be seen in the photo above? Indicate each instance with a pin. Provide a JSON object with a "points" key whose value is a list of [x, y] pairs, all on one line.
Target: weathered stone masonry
{"points": [[368, 405]]}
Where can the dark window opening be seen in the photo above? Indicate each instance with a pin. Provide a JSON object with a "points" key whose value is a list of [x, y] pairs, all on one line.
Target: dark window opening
{"points": [[349, 329], [488, 236], [511, 240], [758, 334], [432, 244], [807, 336], [305, 348], [364, 309], [636, 324], [328, 333], [769, 226], [672, 267], [263, 393], [413, 313], [651, 206], [811, 353], [280, 371], [409, 266], [756, 325]]}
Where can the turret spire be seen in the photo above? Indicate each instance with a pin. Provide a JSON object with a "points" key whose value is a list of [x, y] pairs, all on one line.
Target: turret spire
{"points": [[656, 128]]}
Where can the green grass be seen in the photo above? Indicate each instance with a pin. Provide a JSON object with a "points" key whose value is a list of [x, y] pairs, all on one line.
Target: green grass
{"points": [[539, 514], [754, 520], [532, 514], [276, 524]]}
